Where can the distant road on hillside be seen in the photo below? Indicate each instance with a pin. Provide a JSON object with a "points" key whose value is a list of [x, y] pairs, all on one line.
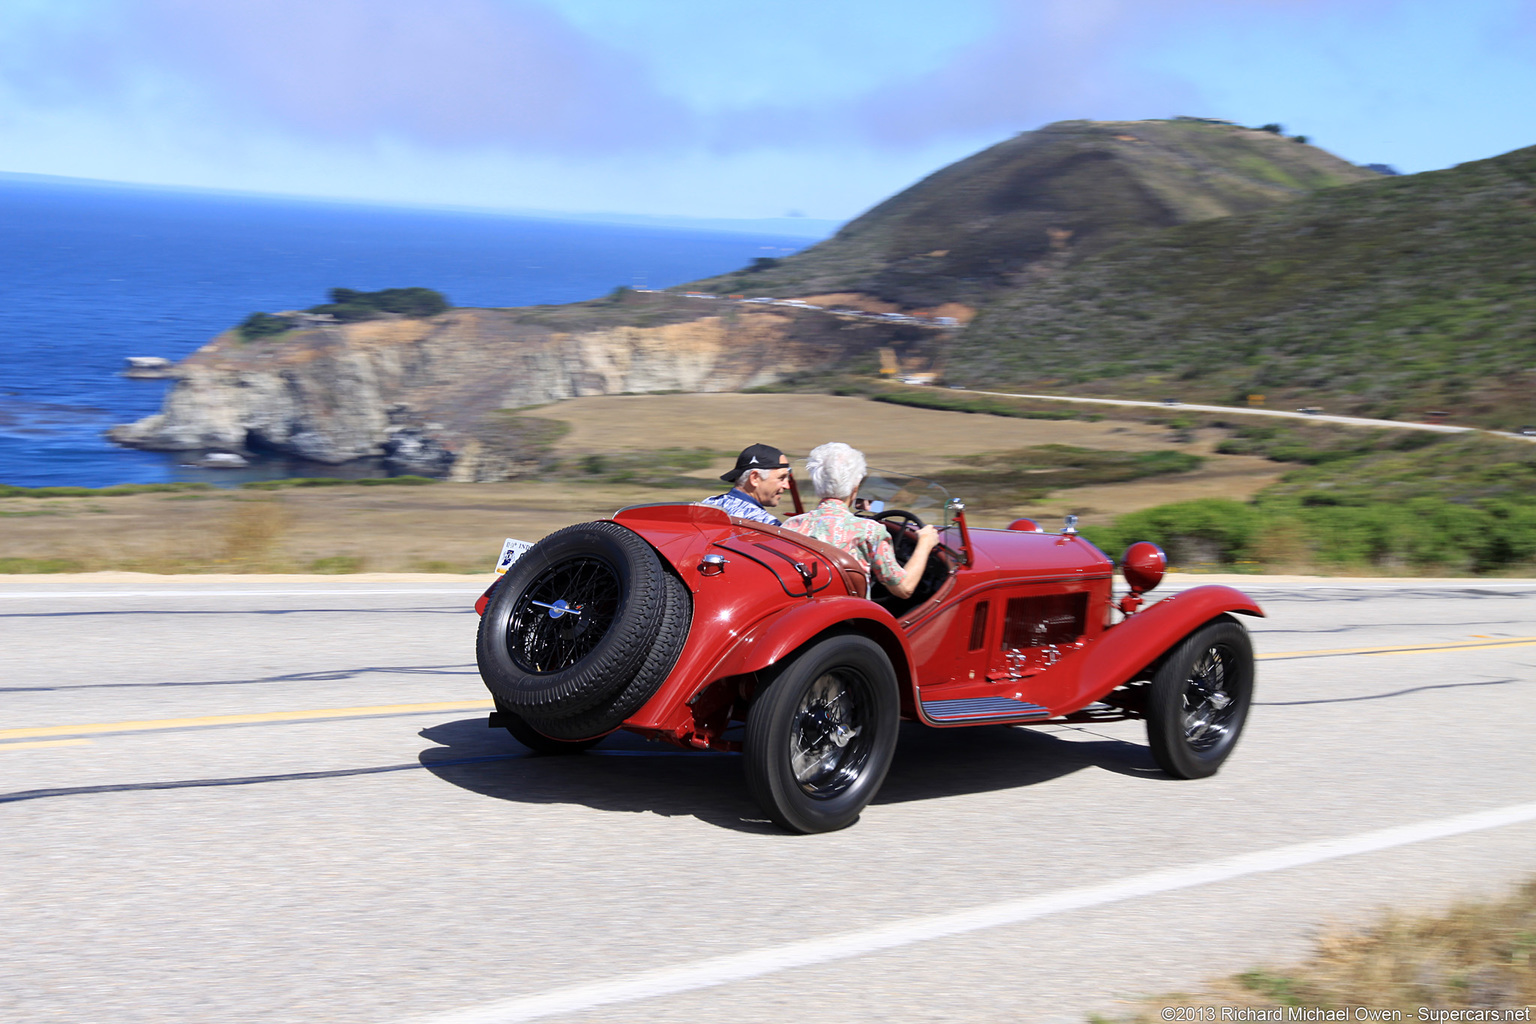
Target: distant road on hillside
{"points": [[1354, 421]]}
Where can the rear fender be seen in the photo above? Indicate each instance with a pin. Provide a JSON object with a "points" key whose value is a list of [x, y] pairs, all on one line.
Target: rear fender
{"points": [[1127, 647], [779, 637], [763, 645]]}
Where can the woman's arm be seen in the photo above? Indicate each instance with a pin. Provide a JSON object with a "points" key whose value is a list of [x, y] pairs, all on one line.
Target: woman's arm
{"points": [[927, 537]]}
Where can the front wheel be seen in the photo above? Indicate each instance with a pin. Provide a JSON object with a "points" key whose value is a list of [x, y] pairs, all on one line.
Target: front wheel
{"points": [[1199, 700], [820, 739]]}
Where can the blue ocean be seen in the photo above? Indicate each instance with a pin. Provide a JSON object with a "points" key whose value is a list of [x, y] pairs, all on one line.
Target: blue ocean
{"points": [[92, 274]]}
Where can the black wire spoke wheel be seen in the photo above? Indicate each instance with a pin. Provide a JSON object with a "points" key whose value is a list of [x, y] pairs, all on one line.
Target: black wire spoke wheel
{"points": [[830, 740], [821, 735], [563, 614], [1199, 699], [1209, 710]]}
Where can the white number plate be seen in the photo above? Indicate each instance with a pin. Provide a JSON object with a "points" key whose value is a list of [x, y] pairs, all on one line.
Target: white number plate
{"points": [[511, 551]]}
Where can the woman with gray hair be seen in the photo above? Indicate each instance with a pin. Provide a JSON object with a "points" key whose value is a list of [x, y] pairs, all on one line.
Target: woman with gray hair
{"points": [[836, 471]]}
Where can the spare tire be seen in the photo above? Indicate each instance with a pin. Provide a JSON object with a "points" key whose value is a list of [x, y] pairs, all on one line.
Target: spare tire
{"points": [[610, 714], [573, 621]]}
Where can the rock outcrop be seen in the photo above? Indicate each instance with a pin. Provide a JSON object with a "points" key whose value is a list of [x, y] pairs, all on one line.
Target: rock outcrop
{"points": [[429, 395]]}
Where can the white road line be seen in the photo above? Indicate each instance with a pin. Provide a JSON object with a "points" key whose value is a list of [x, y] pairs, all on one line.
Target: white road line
{"points": [[724, 970], [1258, 585], [354, 592]]}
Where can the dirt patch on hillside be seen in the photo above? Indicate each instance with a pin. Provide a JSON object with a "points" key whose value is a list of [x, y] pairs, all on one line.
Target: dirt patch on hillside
{"points": [[870, 304]]}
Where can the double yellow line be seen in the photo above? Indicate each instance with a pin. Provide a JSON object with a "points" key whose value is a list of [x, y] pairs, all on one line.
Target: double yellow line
{"points": [[1514, 641], [42, 736], [150, 725]]}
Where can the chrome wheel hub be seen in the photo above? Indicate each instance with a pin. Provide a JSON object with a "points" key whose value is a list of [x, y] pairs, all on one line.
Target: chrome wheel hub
{"points": [[828, 741], [1209, 708]]}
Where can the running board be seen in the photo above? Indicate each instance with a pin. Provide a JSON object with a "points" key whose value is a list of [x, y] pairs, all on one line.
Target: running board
{"points": [[982, 709]]}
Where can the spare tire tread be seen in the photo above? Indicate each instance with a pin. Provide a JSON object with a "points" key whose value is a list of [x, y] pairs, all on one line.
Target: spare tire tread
{"points": [[615, 659]]}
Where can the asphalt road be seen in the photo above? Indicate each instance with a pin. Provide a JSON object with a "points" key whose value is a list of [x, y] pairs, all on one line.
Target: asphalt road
{"points": [[263, 801]]}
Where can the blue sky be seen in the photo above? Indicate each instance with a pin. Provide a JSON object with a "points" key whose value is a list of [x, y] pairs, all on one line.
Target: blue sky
{"points": [[714, 108]]}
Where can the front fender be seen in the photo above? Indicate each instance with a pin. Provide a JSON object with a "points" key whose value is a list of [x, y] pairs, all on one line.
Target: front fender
{"points": [[1127, 647]]}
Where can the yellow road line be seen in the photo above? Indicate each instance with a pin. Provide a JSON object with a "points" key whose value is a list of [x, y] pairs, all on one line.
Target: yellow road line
{"points": [[268, 716], [475, 705], [34, 744], [1517, 641]]}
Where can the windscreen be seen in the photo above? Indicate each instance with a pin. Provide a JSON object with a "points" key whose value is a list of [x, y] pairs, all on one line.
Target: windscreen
{"points": [[884, 490]]}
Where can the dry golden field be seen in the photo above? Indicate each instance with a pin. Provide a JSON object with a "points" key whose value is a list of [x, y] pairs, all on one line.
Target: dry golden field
{"points": [[459, 527]]}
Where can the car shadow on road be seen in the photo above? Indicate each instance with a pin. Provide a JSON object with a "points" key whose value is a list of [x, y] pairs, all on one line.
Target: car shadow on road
{"points": [[627, 774]]}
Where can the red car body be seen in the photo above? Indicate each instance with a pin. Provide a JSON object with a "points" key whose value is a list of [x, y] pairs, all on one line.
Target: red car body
{"points": [[1018, 627]]}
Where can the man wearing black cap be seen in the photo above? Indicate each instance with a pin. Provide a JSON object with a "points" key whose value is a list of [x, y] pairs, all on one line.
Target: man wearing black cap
{"points": [[761, 474]]}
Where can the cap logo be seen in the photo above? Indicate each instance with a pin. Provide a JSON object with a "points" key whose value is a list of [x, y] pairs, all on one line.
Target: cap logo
{"points": [[754, 461]]}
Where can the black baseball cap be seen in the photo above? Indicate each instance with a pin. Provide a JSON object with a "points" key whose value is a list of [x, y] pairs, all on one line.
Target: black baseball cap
{"points": [[756, 456]]}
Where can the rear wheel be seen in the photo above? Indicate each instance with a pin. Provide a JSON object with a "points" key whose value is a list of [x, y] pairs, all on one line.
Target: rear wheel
{"points": [[1199, 700], [821, 737]]}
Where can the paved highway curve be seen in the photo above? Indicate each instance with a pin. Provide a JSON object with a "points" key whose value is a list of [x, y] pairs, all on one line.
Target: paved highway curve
{"points": [[276, 800]]}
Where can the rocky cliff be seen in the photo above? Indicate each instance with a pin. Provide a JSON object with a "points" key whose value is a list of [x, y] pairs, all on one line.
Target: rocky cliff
{"points": [[430, 395]]}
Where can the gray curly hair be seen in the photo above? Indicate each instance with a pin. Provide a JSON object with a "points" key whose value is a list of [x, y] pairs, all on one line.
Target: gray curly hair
{"points": [[836, 469]]}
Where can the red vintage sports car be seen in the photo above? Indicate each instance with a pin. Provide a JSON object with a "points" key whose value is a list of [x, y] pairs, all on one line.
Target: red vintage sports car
{"points": [[679, 623]]}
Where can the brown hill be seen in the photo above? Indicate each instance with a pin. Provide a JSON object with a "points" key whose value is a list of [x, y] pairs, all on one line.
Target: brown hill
{"points": [[1074, 187]]}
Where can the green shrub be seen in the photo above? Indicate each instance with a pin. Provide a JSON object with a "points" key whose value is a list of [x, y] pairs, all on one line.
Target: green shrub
{"points": [[950, 401], [336, 564], [418, 303], [1230, 525], [31, 565], [1426, 533], [262, 325], [114, 491]]}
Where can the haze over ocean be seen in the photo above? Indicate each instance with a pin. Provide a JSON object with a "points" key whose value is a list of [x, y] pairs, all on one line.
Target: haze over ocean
{"points": [[92, 274]]}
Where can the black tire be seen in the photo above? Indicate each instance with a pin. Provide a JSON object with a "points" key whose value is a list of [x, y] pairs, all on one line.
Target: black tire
{"points": [[572, 622], [610, 714], [536, 741], [1199, 700], [820, 738]]}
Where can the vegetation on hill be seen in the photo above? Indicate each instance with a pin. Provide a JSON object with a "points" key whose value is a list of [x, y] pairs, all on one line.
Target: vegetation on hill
{"points": [[1362, 501], [1072, 187], [350, 306], [1388, 298]]}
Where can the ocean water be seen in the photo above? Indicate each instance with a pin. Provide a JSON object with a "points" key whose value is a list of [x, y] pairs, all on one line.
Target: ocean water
{"points": [[90, 275]]}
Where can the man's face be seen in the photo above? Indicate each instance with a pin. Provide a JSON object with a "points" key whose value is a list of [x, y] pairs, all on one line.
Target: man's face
{"points": [[767, 486]]}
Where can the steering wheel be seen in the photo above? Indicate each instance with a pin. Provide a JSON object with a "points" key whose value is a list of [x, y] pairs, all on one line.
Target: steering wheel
{"points": [[902, 514], [903, 542]]}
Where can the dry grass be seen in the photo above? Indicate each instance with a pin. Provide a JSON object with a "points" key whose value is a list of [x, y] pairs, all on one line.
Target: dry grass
{"points": [[1478, 955], [460, 527]]}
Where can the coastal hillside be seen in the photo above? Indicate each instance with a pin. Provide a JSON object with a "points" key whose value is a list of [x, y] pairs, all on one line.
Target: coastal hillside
{"points": [[1074, 187], [437, 395], [1393, 298]]}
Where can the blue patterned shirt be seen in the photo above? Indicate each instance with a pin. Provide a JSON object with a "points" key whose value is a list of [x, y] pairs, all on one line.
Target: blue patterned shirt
{"points": [[736, 502]]}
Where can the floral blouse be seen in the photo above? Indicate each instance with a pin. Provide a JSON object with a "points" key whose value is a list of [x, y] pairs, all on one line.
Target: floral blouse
{"points": [[866, 539]]}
